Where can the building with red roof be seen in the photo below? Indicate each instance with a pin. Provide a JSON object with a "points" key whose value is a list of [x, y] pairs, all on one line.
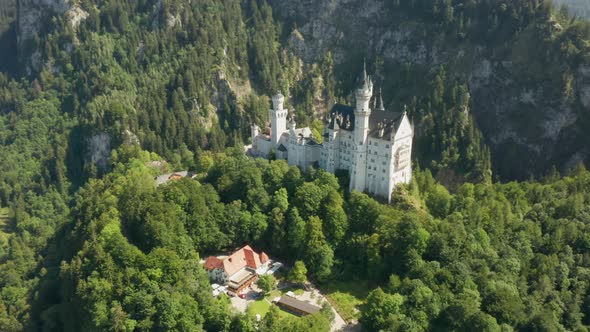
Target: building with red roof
{"points": [[237, 270]]}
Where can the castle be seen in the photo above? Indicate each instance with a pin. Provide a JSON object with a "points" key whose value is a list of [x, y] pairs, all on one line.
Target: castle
{"points": [[373, 145]]}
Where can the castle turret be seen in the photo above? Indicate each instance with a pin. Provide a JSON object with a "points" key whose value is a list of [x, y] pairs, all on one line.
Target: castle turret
{"points": [[277, 101], [278, 118], [292, 123], [364, 92], [362, 113], [255, 131]]}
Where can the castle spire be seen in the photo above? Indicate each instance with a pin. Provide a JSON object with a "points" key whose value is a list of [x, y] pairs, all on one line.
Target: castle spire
{"points": [[365, 84], [365, 80], [364, 92], [380, 106], [364, 74]]}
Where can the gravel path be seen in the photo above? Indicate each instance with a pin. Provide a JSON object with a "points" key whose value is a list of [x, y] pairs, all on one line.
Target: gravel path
{"points": [[316, 298]]}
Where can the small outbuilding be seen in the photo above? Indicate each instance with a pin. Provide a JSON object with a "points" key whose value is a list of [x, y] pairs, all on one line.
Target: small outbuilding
{"points": [[296, 306]]}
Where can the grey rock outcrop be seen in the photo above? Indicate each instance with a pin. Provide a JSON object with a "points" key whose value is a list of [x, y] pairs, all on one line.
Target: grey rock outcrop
{"points": [[32, 15], [580, 8], [99, 149]]}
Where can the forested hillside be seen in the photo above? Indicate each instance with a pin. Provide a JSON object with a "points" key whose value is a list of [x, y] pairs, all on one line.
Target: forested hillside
{"points": [[487, 258], [98, 97]]}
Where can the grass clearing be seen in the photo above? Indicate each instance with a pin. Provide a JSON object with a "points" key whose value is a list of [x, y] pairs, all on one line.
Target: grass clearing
{"points": [[261, 307], [347, 297]]}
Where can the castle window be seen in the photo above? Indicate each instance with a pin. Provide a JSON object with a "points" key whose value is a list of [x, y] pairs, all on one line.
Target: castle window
{"points": [[402, 157]]}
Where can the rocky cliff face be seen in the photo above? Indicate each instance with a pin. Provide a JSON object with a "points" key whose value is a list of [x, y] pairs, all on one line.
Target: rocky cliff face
{"points": [[32, 15], [580, 8], [529, 126]]}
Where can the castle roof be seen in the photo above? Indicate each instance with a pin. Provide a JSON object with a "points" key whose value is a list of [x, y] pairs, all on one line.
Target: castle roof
{"points": [[389, 121], [312, 141], [365, 80], [343, 115], [339, 114]]}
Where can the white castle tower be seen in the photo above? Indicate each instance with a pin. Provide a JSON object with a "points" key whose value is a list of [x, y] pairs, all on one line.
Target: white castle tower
{"points": [[254, 132], [362, 113], [278, 118]]}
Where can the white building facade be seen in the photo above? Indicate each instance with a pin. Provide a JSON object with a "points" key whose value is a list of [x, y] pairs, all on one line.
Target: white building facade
{"points": [[373, 145]]}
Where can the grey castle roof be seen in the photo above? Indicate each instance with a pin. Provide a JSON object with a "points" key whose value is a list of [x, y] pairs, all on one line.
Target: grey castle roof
{"points": [[343, 115], [339, 114], [389, 120], [312, 141]]}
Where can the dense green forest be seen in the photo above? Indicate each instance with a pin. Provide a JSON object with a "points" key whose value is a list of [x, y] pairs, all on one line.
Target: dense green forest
{"points": [[88, 242], [487, 258]]}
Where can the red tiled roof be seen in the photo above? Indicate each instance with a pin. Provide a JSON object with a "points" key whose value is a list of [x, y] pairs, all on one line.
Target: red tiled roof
{"points": [[213, 262], [236, 261], [249, 256]]}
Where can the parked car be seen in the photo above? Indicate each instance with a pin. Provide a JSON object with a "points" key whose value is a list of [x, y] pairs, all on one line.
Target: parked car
{"points": [[257, 295], [242, 295]]}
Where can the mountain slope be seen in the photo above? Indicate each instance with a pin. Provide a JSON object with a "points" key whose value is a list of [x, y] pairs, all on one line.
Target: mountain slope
{"points": [[527, 68], [88, 242]]}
